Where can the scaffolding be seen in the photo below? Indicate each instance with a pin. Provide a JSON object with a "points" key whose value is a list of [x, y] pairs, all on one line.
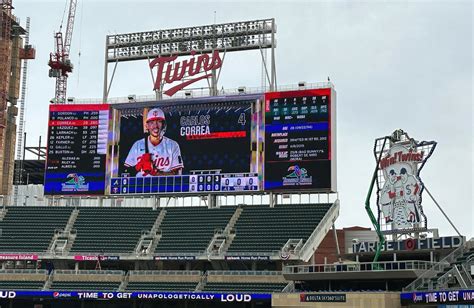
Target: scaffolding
{"points": [[12, 52], [5, 65]]}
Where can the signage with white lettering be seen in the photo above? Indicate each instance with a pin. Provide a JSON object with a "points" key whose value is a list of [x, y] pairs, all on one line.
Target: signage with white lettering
{"points": [[92, 295], [247, 258], [438, 297], [448, 242], [174, 258], [323, 298], [95, 258], [18, 257]]}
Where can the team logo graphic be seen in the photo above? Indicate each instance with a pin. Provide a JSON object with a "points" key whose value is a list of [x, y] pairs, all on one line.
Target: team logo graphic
{"points": [[170, 70], [297, 176], [62, 294], [75, 182], [400, 187]]}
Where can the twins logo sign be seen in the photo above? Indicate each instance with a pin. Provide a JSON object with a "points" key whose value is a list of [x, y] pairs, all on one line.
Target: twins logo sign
{"points": [[399, 194]]}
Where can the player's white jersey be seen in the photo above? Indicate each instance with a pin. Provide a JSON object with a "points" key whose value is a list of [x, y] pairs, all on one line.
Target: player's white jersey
{"points": [[166, 156]]}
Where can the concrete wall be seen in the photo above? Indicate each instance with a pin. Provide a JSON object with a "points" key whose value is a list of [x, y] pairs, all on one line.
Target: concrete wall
{"points": [[353, 299], [327, 250], [23, 277], [164, 278], [245, 278], [86, 277]]}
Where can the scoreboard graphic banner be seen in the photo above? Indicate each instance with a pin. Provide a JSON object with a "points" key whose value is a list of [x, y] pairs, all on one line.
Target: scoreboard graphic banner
{"points": [[77, 146], [299, 140], [204, 147], [278, 141]]}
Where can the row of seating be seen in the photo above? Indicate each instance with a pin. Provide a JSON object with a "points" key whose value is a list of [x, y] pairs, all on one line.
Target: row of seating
{"points": [[31, 229], [183, 229], [143, 286], [268, 229], [190, 229], [115, 230], [467, 257]]}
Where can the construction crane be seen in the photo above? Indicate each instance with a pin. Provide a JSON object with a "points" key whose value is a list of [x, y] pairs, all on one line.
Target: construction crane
{"points": [[59, 63]]}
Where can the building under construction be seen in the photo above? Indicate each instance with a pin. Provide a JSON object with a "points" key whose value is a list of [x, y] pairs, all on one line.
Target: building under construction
{"points": [[14, 49]]}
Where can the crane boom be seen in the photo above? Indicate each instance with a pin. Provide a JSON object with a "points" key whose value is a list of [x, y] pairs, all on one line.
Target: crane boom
{"points": [[70, 27], [59, 62]]}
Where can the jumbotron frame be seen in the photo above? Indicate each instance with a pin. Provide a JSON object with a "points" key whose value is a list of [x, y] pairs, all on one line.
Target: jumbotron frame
{"points": [[226, 37]]}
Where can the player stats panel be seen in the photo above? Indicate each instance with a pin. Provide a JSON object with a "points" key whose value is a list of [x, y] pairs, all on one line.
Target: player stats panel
{"points": [[298, 140], [193, 146], [77, 146]]}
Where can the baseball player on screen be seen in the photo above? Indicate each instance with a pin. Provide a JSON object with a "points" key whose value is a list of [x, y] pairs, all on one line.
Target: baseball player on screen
{"points": [[155, 154]]}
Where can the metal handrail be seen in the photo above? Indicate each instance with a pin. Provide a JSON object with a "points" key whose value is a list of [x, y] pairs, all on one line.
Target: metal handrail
{"points": [[88, 272], [254, 253], [438, 267], [203, 92], [180, 254], [156, 272], [332, 211], [23, 271], [245, 273], [358, 267]]}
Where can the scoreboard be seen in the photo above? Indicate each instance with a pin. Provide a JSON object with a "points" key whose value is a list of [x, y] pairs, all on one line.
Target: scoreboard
{"points": [[202, 183], [277, 141], [77, 146], [298, 140]]}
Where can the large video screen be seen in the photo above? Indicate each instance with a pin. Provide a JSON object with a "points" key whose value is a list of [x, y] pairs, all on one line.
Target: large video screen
{"points": [[187, 148], [298, 145], [278, 141], [77, 146]]}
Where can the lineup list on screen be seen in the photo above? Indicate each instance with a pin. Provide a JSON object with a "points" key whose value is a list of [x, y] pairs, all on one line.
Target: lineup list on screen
{"points": [[297, 140], [77, 146]]}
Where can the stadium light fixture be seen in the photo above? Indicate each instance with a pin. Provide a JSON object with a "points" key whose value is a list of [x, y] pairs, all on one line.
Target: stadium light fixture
{"points": [[242, 90], [188, 94], [302, 84], [235, 36]]}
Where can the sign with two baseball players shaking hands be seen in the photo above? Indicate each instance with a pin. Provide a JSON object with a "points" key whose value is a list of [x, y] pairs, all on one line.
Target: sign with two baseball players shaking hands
{"points": [[400, 187]]}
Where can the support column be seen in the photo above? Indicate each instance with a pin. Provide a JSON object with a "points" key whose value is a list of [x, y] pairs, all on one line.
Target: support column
{"points": [[338, 251], [106, 64]]}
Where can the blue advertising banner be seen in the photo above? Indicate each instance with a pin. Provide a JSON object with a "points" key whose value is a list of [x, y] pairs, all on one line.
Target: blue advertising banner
{"points": [[438, 297], [96, 295]]}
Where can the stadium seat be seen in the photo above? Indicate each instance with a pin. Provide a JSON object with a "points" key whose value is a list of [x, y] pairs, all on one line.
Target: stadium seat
{"points": [[111, 230], [160, 286], [244, 287], [21, 285], [31, 229], [280, 223], [85, 285], [190, 229]]}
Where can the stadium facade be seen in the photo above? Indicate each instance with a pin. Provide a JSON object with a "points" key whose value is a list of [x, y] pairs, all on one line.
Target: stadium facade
{"points": [[228, 199]]}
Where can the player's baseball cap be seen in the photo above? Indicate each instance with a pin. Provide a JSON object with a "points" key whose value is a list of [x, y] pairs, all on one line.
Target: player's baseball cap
{"points": [[155, 114]]}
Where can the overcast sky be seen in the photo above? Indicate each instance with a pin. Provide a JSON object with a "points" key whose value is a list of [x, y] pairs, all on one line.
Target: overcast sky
{"points": [[394, 65]]}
